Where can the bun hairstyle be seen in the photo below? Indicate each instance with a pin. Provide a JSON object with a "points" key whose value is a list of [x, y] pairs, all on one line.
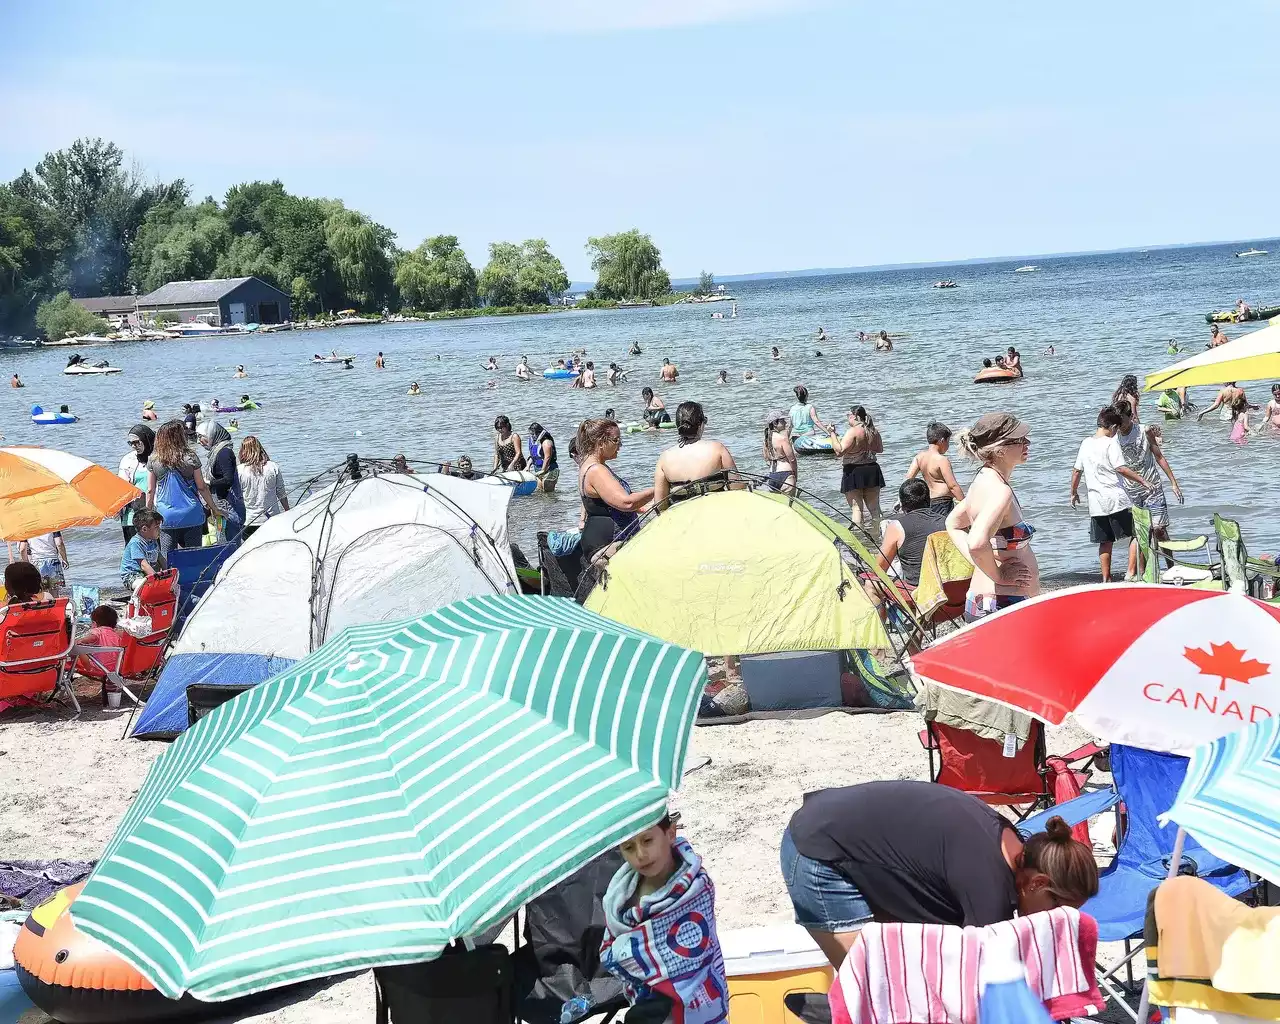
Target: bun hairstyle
{"points": [[592, 434], [802, 394], [1069, 864], [689, 420]]}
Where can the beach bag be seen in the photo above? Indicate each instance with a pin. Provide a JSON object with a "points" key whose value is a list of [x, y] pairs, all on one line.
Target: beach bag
{"points": [[215, 531], [178, 502], [460, 985]]}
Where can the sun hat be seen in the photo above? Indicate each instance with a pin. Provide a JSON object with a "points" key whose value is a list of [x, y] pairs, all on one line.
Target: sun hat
{"points": [[995, 428], [148, 404]]}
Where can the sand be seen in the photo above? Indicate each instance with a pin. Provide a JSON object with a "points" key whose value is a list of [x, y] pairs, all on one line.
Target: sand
{"points": [[69, 781]]}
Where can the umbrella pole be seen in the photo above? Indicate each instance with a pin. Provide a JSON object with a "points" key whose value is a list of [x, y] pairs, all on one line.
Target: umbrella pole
{"points": [[1144, 1004]]}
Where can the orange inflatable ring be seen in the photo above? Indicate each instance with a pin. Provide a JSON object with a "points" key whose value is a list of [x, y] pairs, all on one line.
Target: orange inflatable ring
{"points": [[996, 375], [76, 979]]}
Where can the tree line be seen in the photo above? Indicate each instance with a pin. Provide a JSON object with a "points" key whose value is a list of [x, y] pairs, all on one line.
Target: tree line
{"points": [[85, 223]]}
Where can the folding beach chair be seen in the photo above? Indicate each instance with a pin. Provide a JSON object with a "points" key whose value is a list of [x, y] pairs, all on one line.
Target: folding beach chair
{"points": [[1239, 571], [35, 649], [1151, 551], [1147, 783], [560, 574], [940, 596]]}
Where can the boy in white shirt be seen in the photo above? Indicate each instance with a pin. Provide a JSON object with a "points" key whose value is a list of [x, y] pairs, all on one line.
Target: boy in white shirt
{"points": [[1101, 463]]}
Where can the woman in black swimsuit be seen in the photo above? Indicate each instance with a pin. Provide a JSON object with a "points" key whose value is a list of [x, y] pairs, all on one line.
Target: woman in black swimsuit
{"points": [[506, 447], [609, 507]]}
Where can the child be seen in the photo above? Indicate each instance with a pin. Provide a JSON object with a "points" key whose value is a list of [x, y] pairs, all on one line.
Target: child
{"points": [[22, 583], [1240, 420], [1101, 464], [142, 556], [933, 465], [660, 928], [103, 634]]}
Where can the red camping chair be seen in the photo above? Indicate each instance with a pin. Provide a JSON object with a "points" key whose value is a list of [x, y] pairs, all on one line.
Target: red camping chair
{"points": [[157, 599], [35, 649], [1025, 782]]}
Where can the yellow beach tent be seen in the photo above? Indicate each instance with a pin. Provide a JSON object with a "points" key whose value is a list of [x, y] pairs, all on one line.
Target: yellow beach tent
{"points": [[742, 572], [1254, 356]]}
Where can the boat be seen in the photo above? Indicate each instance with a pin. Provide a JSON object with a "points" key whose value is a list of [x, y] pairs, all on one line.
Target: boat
{"points": [[1230, 316], [1251, 252], [198, 329], [334, 358], [633, 303], [945, 284], [996, 375], [84, 369], [1028, 269]]}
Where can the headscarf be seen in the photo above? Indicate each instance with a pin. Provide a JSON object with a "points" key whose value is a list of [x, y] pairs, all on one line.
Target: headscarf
{"points": [[148, 438], [217, 435]]}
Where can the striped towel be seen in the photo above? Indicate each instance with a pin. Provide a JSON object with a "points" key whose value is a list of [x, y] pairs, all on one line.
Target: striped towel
{"points": [[928, 973]]}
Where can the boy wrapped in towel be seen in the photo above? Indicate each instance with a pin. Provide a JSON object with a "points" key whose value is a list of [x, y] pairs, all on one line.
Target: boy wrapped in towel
{"points": [[660, 928]]}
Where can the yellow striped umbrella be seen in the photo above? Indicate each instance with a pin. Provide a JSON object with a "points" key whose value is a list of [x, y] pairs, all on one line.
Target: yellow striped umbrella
{"points": [[42, 490], [1254, 356]]}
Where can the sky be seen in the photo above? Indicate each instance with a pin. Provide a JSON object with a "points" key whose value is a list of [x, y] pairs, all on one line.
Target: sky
{"points": [[742, 135]]}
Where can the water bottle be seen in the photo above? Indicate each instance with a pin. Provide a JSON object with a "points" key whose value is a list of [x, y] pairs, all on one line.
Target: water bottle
{"points": [[578, 1006]]}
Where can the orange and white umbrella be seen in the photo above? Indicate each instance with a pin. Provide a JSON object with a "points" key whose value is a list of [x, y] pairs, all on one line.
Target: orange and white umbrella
{"points": [[42, 490]]}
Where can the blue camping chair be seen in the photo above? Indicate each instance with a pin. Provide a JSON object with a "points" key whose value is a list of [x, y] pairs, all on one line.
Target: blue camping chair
{"points": [[197, 568], [1147, 783]]}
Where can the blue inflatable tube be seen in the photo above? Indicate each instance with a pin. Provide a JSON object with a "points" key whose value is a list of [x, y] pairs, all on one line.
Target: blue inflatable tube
{"points": [[43, 419], [560, 374]]}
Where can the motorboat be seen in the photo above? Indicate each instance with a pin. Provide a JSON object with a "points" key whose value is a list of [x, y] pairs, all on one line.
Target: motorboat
{"points": [[333, 358], [945, 284], [199, 329], [1251, 252], [1028, 269]]}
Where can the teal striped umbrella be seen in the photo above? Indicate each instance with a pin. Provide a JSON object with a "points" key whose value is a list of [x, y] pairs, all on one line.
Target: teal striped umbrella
{"points": [[408, 784], [1230, 798]]}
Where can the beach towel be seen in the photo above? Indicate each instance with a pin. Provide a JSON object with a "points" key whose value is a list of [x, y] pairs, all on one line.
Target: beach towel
{"points": [[983, 718], [31, 882], [928, 973], [1207, 951], [942, 563], [667, 945]]}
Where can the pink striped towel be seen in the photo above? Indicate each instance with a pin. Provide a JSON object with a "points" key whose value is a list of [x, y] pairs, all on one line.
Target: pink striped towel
{"points": [[928, 973]]}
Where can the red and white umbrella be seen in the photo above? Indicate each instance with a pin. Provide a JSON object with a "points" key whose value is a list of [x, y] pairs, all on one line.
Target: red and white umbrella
{"points": [[1165, 668]]}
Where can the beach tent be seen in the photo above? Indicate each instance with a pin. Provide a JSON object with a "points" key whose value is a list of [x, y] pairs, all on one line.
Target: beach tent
{"points": [[1254, 356], [368, 550], [742, 572]]}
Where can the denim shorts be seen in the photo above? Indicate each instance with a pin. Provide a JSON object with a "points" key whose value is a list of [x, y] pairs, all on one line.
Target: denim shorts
{"points": [[824, 900]]}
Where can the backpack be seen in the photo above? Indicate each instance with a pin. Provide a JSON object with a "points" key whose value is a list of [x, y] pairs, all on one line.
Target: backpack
{"points": [[177, 501]]}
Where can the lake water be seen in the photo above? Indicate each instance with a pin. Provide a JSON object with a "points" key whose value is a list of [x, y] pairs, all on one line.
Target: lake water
{"points": [[1106, 315]]}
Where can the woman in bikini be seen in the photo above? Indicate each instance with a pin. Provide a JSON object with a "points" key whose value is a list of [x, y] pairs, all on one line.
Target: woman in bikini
{"points": [[506, 447], [610, 509], [779, 455], [694, 465], [861, 478], [987, 525]]}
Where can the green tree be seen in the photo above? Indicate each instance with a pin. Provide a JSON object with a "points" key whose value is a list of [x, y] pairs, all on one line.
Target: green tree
{"points": [[437, 275], [61, 316], [359, 251], [32, 246], [628, 266], [706, 283], [526, 274], [179, 242]]}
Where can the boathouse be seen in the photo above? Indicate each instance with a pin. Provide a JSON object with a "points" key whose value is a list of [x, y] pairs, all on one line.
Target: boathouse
{"points": [[232, 300]]}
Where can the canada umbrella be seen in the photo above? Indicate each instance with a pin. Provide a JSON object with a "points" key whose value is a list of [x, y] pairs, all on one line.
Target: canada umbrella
{"points": [[42, 490], [406, 785], [1255, 356], [1165, 668]]}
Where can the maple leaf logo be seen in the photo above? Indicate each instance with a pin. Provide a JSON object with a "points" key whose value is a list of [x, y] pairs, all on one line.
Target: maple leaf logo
{"points": [[1226, 661]]}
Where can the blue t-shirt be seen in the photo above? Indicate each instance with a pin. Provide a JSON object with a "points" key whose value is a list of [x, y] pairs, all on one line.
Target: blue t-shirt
{"points": [[135, 551]]}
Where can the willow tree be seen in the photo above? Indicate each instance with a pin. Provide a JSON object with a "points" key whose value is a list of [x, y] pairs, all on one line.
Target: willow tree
{"points": [[359, 252], [628, 266], [437, 275], [526, 274]]}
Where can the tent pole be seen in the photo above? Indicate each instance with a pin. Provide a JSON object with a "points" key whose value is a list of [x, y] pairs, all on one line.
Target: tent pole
{"points": [[1144, 1004]]}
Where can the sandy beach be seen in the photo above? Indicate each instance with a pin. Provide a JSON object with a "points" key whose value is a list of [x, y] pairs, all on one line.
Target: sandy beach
{"points": [[71, 780]]}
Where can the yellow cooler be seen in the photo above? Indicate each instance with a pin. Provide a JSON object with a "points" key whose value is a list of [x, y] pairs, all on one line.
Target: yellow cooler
{"points": [[764, 965]]}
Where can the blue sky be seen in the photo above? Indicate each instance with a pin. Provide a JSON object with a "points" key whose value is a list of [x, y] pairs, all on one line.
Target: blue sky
{"points": [[744, 135]]}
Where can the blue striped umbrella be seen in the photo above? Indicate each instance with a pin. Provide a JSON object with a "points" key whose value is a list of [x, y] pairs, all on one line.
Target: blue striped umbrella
{"points": [[1230, 799]]}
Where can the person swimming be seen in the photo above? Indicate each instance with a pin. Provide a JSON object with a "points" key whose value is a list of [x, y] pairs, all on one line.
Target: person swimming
{"points": [[240, 372], [749, 377], [655, 413], [414, 389], [669, 372], [522, 369], [634, 350], [615, 375], [822, 334], [774, 354], [722, 377], [492, 364], [884, 343]]}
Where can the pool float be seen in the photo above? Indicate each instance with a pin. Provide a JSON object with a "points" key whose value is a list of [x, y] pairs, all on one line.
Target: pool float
{"points": [[520, 481], [640, 428], [76, 979], [44, 419], [558, 374], [235, 408], [1230, 316], [333, 359], [996, 375], [812, 444]]}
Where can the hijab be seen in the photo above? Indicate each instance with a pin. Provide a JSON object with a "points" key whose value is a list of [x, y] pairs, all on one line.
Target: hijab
{"points": [[148, 438], [217, 435]]}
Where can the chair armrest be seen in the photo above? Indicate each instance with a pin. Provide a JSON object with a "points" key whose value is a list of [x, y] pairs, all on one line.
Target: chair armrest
{"points": [[1084, 753], [926, 740], [1082, 808], [1262, 568], [1189, 544]]}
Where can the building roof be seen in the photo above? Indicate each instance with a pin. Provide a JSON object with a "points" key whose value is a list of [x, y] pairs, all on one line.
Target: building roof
{"points": [[108, 303], [179, 292]]}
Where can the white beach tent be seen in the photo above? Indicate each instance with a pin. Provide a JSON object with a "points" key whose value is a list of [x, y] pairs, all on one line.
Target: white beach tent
{"points": [[375, 549]]}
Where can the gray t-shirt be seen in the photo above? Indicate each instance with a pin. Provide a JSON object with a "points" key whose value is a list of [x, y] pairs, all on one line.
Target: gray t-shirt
{"points": [[263, 491], [1138, 456]]}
